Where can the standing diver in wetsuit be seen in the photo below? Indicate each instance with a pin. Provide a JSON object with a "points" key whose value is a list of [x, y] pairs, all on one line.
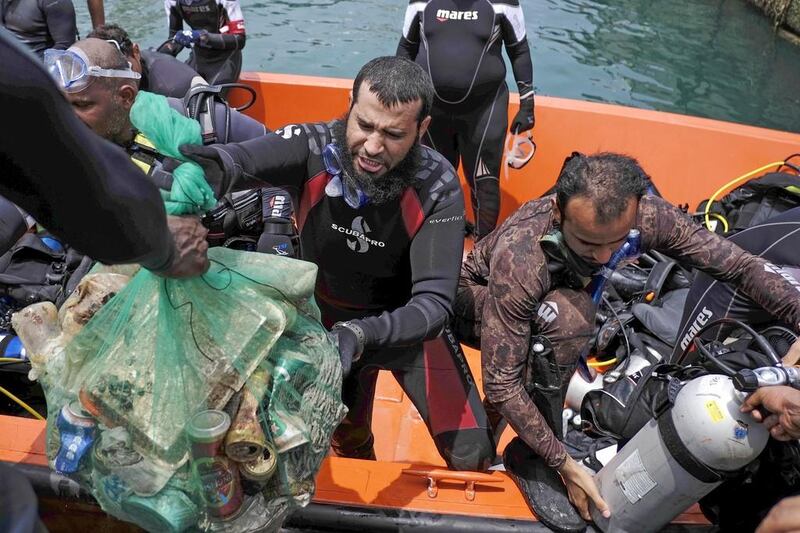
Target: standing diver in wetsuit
{"points": [[40, 24], [217, 37], [461, 50], [383, 218]]}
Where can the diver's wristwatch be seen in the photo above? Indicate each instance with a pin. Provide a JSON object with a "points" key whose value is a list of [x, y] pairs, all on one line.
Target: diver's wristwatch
{"points": [[361, 338]]}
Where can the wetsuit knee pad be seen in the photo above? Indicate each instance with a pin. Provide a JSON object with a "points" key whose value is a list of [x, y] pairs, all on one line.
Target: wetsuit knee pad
{"points": [[467, 449]]}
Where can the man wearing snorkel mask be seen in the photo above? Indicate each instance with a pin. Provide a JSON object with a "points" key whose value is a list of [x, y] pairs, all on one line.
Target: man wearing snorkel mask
{"points": [[383, 218], [523, 300]]}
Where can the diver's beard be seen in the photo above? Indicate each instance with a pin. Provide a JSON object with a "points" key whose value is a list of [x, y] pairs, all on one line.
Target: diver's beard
{"points": [[119, 129], [379, 189]]}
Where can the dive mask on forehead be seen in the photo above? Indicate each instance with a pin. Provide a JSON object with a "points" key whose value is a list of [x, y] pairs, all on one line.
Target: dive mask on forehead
{"points": [[71, 71]]}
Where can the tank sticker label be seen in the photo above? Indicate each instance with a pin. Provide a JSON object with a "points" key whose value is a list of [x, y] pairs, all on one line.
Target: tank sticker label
{"points": [[633, 478], [714, 411]]}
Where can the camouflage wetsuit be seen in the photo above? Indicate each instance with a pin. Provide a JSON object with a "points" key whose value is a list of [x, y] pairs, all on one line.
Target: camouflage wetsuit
{"points": [[510, 289]]}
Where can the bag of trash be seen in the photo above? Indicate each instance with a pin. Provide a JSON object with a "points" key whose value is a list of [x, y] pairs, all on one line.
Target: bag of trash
{"points": [[207, 402], [162, 349]]}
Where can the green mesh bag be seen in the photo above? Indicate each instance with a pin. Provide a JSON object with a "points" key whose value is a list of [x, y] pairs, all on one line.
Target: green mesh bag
{"points": [[162, 351]]}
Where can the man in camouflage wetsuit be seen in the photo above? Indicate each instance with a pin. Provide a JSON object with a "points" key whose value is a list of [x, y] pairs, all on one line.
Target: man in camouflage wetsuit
{"points": [[522, 297]]}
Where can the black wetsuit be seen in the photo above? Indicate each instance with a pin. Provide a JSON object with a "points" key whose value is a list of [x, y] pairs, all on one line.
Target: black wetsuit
{"points": [[106, 209], [777, 241], [163, 74], [392, 269], [40, 24], [459, 43], [218, 58]]}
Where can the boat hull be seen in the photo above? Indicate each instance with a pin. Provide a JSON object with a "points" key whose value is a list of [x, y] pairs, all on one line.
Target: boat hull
{"points": [[688, 158]]}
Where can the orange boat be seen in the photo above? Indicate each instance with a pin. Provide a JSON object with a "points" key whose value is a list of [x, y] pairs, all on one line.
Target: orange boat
{"points": [[408, 486]]}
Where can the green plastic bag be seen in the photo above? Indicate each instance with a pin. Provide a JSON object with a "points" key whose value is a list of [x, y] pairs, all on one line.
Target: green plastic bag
{"points": [[163, 350], [168, 130]]}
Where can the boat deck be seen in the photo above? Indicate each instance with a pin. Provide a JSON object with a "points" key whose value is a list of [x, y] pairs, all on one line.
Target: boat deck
{"points": [[402, 445]]}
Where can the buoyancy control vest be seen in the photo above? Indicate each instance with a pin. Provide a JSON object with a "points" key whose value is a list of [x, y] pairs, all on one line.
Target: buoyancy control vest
{"points": [[38, 268]]}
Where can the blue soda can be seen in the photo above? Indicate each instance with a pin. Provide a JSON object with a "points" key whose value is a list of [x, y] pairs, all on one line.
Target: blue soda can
{"points": [[77, 433], [11, 347]]}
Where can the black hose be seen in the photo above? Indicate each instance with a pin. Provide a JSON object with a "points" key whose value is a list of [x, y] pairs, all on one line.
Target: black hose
{"points": [[245, 87], [786, 163], [765, 347]]}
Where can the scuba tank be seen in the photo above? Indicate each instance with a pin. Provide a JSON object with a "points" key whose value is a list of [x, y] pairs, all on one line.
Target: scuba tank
{"points": [[689, 448], [679, 457]]}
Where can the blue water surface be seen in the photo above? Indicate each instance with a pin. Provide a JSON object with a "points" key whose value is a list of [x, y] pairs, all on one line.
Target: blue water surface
{"points": [[711, 58]]}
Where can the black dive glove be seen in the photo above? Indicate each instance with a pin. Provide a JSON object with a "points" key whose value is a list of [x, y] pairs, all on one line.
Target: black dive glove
{"points": [[211, 159], [524, 119], [350, 341]]}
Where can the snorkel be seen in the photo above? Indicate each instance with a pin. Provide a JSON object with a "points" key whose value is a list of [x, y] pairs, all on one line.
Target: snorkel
{"points": [[630, 249]]}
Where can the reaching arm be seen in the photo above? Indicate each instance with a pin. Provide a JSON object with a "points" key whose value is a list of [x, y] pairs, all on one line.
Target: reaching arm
{"points": [[666, 229], [223, 41], [82, 188], [60, 17], [279, 158], [175, 25], [409, 40], [435, 262], [512, 22], [232, 35], [97, 12], [514, 293]]}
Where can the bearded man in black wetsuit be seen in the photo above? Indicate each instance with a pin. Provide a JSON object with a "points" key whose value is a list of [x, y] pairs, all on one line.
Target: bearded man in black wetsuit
{"points": [[382, 217], [461, 49]]}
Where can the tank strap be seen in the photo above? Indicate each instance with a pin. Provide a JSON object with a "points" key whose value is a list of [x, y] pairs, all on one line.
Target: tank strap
{"points": [[678, 450]]}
